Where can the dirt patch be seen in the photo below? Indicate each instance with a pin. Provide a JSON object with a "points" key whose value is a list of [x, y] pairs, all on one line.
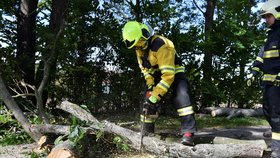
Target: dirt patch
{"points": [[17, 151]]}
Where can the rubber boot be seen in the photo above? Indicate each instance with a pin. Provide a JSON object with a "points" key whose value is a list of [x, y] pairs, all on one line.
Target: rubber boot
{"points": [[187, 139]]}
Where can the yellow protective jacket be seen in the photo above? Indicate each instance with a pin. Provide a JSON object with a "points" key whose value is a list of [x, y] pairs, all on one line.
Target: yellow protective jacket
{"points": [[159, 57]]}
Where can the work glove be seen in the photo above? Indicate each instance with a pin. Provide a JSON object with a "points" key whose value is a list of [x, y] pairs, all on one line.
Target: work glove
{"points": [[250, 78]]}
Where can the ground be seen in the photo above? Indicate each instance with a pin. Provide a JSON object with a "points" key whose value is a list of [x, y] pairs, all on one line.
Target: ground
{"points": [[16, 151], [202, 136]]}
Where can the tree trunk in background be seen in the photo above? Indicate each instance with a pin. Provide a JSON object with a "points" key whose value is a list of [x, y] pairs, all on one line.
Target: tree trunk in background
{"points": [[56, 27], [243, 61], [136, 10], [208, 55], [26, 39]]}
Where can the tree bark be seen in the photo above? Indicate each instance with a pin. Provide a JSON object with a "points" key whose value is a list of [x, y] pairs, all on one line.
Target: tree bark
{"points": [[208, 54], [235, 112], [162, 148], [57, 23], [26, 39]]}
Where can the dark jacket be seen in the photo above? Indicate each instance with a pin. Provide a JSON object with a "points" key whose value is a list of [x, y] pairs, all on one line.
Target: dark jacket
{"points": [[268, 59]]}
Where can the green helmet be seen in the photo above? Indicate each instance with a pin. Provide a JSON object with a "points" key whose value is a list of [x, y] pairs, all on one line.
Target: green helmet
{"points": [[133, 31], [271, 7]]}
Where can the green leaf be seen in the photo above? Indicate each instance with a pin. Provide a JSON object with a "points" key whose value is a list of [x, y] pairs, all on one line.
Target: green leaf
{"points": [[58, 140]]}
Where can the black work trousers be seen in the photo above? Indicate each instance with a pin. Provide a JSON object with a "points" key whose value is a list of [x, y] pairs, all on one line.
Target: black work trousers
{"points": [[181, 99], [271, 106]]}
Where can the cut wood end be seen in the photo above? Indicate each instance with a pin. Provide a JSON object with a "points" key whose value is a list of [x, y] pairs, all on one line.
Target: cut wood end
{"points": [[41, 141], [43, 145], [61, 153]]}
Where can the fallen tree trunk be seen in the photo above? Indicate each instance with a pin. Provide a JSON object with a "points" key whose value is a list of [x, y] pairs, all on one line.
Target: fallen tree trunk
{"points": [[234, 112], [162, 148]]}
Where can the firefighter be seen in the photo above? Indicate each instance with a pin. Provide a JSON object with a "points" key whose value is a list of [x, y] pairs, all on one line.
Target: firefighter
{"points": [[267, 64], [162, 71]]}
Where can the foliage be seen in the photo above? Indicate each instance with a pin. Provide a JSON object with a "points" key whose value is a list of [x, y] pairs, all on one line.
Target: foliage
{"points": [[76, 133], [36, 155], [5, 116], [121, 144], [14, 137], [11, 132], [77, 137]]}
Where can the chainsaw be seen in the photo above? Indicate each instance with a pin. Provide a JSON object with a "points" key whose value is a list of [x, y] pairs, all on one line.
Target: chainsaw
{"points": [[145, 115], [145, 111], [142, 127]]}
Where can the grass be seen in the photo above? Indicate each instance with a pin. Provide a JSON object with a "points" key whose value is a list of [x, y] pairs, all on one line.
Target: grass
{"points": [[212, 122], [14, 138], [223, 122], [205, 121]]}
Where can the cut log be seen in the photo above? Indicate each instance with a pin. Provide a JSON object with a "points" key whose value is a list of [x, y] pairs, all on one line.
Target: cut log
{"points": [[234, 112], [65, 149], [44, 144], [225, 140], [162, 148]]}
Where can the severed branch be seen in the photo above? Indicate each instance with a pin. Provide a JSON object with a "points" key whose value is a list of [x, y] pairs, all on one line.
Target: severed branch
{"points": [[24, 92], [61, 129]]}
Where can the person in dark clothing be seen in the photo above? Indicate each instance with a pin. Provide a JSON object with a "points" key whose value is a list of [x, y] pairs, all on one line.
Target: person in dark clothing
{"points": [[267, 64], [162, 70]]}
